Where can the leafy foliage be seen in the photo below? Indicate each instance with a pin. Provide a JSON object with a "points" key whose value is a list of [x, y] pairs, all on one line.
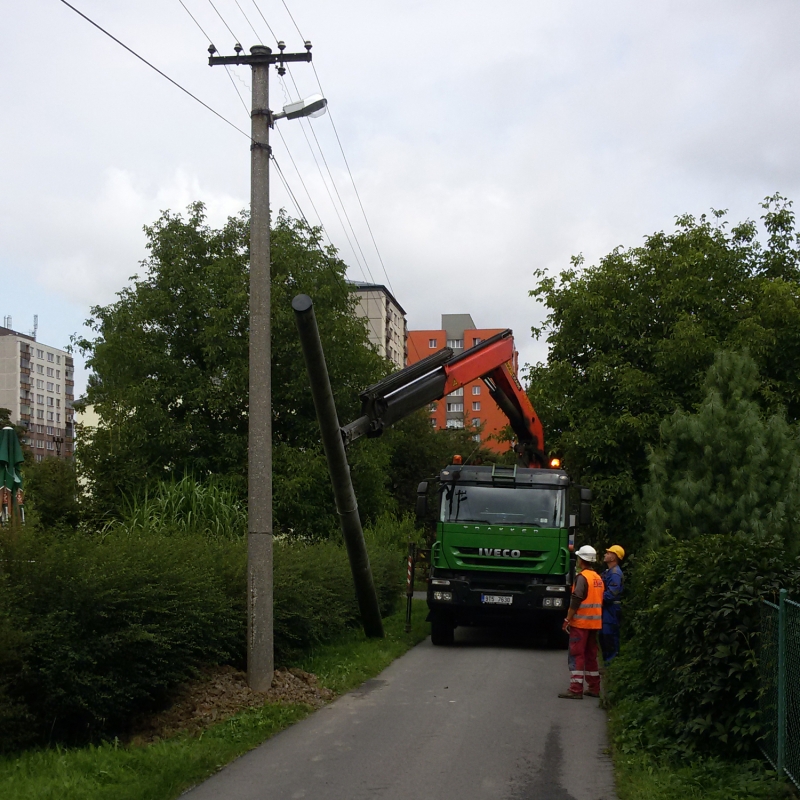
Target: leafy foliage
{"points": [[687, 679], [632, 337], [170, 371], [95, 628], [725, 468], [51, 488]]}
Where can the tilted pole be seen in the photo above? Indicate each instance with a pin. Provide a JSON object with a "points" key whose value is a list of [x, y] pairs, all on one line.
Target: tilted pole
{"points": [[338, 467]]}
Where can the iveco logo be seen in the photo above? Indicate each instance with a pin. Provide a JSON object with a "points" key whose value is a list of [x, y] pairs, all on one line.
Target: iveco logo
{"points": [[487, 551]]}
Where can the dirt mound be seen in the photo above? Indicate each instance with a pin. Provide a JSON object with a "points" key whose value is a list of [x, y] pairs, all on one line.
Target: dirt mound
{"points": [[222, 692]]}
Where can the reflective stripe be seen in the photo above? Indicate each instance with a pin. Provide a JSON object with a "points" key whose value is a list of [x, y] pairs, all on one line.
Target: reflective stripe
{"points": [[591, 605], [592, 673], [587, 616]]}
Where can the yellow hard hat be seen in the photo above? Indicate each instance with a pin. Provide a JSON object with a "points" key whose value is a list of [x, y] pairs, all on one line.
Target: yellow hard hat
{"points": [[617, 551]]}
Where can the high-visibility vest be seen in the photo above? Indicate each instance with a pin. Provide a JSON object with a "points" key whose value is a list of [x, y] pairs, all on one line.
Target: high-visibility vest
{"points": [[590, 612]]}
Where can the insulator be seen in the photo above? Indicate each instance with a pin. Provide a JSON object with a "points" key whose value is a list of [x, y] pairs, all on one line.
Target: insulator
{"points": [[211, 49], [238, 48], [307, 44]]}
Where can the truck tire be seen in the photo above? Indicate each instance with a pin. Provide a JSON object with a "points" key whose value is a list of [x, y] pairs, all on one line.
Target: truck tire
{"points": [[442, 629]]}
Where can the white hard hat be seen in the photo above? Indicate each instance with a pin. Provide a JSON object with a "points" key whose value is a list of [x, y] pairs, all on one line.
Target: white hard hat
{"points": [[587, 553]]}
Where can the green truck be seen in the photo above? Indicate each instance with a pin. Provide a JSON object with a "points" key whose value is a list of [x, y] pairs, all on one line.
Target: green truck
{"points": [[504, 535], [503, 549]]}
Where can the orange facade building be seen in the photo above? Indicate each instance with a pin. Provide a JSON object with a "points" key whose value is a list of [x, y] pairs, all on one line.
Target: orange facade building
{"points": [[471, 406]]}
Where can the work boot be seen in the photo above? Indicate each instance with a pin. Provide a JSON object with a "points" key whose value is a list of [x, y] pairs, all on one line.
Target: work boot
{"points": [[571, 696], [592, 694]]}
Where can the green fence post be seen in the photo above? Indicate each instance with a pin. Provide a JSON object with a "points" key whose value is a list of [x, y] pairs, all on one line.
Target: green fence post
{"points": [[781, 682]]}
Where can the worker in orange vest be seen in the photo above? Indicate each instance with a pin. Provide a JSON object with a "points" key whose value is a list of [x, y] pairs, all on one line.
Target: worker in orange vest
{"points": [[583, 623]]}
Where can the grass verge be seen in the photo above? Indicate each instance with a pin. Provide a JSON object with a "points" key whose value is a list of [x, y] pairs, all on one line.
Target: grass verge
{"points": [[641, 775], [163, 770]]}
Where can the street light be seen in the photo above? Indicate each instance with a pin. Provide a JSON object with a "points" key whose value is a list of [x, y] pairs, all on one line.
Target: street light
{"points": [[314, 106]]}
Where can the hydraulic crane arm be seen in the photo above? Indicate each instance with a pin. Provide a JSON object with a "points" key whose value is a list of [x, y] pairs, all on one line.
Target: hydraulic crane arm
{"points": [[420, 384]]}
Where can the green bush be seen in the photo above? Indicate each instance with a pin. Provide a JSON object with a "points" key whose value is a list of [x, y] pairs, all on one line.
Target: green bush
{"points": [[688, 678], [104, 628], [94, 630]]}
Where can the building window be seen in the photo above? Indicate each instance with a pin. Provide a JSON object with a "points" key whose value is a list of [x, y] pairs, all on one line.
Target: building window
{"points": [[50, 401], [50, 430], [476, 405], [49, 388], [58, 404], [40, 354], [40, 399], [476, 340], [476, 421], [432, 343], [50, 357], [49, 416], [455, 423], [432, 407], [476, 437], [39, 384], [58, 388], [50, 372], [476, 390], [58, 374], [457, 392], [433, 423], [40, 369], [58, 359], [51, 446], [40, 444], [58, 417], [39, 413], [456, 344], [39, 457], [455, 406]]}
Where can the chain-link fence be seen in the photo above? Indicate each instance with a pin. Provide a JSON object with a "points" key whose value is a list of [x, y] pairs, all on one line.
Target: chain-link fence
{"points": [[779, 665]]}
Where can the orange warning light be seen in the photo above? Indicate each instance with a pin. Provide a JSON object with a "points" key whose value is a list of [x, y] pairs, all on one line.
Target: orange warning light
{"points": [[457, 459], [555, 463]]}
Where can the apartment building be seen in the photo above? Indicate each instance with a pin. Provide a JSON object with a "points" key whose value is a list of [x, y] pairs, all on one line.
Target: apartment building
{"points": [[37, 386], [386, 320], [470, 406]]}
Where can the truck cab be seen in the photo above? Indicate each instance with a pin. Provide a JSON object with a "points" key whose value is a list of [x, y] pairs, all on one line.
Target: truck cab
{"points": [[502, 549]]}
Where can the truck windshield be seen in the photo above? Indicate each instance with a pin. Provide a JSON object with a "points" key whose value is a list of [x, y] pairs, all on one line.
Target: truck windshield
{"points": [[496, 505]]}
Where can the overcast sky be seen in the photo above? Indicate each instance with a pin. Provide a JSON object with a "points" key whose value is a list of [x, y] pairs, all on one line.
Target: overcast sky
{"points": [[486, 139]]}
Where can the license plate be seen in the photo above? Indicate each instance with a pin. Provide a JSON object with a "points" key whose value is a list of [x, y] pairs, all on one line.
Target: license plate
{"points": [[497, 599]]}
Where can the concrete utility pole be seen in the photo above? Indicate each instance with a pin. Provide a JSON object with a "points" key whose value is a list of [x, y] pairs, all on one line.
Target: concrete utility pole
{"points": [[260, 657], [332, 442]]}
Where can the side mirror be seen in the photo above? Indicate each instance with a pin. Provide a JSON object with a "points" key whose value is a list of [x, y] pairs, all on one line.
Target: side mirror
{"points": [[422, 500], [586, 495], [585, 514]]}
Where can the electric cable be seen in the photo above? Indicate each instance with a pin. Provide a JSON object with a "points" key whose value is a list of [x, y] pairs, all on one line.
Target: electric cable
{"points": [[344, 157], [156, 69], [235, 37]]}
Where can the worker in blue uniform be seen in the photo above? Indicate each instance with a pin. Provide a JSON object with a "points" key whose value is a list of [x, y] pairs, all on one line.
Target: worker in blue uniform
{"points": [[614, 583]]}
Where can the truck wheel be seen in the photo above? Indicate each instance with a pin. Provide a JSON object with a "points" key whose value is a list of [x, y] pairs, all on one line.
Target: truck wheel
{"points": [[442, 629]]}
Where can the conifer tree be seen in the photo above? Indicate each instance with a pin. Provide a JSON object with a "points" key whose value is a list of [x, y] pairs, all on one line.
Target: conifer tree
{"points": [[726, 468]]}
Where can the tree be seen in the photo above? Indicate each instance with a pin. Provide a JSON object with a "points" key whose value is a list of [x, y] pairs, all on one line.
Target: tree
{"points": [[170, 370], [631, 338], [51, 488], [726, 468]]}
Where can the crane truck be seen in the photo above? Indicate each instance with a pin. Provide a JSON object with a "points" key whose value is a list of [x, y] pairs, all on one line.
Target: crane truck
{"points": [[504, 534]]}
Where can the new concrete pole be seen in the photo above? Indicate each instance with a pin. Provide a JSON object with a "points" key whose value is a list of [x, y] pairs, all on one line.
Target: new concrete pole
{"points": [[260, 664], [338, 467]]}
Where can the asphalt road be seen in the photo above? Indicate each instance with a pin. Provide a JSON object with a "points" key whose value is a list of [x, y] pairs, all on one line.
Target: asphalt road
{"points": [[477, 720]]}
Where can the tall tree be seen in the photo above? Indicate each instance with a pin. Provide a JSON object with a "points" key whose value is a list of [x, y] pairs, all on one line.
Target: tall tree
{"points": [[631, 338], [170, 372], [727, 468]]}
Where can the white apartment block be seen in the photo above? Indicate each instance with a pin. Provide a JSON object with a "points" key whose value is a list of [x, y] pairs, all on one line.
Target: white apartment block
{"points": [[37, 386], [386, 320]]}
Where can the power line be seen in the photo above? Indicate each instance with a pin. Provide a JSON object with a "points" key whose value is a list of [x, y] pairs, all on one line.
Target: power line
{"points": [[269, 28], [235, 37], [255, 33], [162, 74], [341, 148], [227, 69]]}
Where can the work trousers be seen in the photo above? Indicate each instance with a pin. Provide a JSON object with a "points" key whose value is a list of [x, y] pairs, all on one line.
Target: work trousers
{"points": [[609, 643], [583, 660]]}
